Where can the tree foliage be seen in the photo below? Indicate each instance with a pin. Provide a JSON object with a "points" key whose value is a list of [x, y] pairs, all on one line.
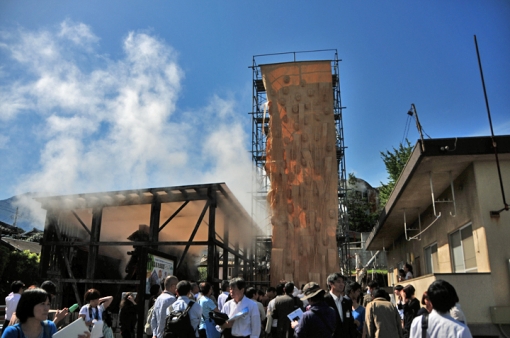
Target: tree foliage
{"points": [[37, 238], [395, 162], [19, 265], [362, 212]]}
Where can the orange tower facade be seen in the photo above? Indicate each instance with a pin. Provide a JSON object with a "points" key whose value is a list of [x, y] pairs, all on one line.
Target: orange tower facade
{"points": [[301, 163]]}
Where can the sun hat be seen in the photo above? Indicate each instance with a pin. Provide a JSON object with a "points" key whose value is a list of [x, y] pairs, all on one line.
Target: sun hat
{"points": [[310, 290]]}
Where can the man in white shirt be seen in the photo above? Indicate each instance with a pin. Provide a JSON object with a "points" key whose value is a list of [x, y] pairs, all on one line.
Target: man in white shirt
{"points": [[11, 301], [224, 294], [248, 324], [164, 300], [194, 313], [440, 323]]}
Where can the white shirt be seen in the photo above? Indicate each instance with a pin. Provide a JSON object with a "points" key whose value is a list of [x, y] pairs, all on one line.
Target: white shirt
{"points": [[409, 275], [222, 298], [457, 313], [261, 311], [11, 302], [270, 309], [159, 313], [338, 303], [400, 311], [440, 325], [248, 324], [85, 311], [194, 313]]}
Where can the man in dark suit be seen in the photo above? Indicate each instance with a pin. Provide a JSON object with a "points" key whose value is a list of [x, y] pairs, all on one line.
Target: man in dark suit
{"points": [[345, 327]]}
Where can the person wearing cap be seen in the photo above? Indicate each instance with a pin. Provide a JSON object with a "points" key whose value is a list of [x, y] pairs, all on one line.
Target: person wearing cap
{"points": [[319, 320], [345, 327]]}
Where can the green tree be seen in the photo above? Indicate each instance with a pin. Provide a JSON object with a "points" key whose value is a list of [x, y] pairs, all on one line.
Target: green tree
{"points": [[362, 212], [21, 265], [35, 237], [395, 161]]}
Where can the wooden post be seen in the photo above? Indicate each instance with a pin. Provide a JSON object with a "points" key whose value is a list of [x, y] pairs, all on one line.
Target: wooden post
{"points": [[245, 262], [154, 221], [142, 271], [225, 250], [235, 270], [49, 233], [97, 215], [211, 246]]}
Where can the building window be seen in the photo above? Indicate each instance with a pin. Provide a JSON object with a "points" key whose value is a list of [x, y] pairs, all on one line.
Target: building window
{"points": [[463, 250], [431, 259]]}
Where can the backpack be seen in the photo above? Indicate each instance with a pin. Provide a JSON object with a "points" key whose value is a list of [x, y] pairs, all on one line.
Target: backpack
{"points": [[147, 327], [178, 324]]}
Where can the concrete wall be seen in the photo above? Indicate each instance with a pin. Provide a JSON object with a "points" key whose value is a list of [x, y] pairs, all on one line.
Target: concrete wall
{"points": [[477, 192], [474, 304], [497, 230]]}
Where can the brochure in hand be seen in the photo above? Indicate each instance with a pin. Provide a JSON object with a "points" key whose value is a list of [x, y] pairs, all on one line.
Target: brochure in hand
{"points": [[295, 315], [238, 315]]}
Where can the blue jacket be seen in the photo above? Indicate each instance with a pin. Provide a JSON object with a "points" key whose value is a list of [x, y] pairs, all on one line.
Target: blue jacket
{"points": [[14, 331]]}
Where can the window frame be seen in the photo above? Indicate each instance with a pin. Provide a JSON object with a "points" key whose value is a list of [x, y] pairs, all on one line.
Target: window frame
{"points": [[429, 262], [462, 241]]}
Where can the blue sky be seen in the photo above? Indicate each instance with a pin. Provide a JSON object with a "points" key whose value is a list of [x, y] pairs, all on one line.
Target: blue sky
{"points": [[107, 95]]}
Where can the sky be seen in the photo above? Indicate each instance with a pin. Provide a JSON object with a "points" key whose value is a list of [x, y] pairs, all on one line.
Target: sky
{"points": [[113, 95]]}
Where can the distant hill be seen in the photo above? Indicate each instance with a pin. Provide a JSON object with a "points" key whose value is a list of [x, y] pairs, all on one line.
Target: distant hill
{"points": [[8, 212]]}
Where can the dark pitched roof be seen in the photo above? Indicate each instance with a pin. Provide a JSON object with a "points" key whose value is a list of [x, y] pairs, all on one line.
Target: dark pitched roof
{"points": [[20, 245]]}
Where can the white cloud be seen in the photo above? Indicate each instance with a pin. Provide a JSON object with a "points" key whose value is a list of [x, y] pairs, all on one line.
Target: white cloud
{"points": [[113, 124], [78, 33]]}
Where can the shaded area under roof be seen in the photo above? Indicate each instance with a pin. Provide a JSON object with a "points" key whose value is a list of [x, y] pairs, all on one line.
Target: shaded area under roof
{"points": [[133, 206], [412, 191]]}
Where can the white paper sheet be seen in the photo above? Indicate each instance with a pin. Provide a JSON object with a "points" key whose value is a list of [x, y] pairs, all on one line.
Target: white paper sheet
{"points": [[72, 330], [97, 330]]}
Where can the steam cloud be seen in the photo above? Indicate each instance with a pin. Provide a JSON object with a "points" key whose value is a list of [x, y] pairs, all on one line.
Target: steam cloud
{"points": [[95, 123]]}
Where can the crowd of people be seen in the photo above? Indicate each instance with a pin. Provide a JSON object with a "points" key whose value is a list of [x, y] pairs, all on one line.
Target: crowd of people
{"points": [[338, 310]]}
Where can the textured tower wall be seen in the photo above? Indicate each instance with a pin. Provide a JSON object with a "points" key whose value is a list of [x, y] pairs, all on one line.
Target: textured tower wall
{"points": [[302, 166]]}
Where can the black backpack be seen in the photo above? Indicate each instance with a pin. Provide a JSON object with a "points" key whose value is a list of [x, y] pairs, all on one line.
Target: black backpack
{"points": [[178, 324]]}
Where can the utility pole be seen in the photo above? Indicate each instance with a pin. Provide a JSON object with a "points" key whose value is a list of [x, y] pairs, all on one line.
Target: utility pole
{"points": [[15, 217]]}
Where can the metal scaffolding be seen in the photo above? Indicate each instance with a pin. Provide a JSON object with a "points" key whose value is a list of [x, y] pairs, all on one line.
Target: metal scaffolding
{"points": [[260, 128]]}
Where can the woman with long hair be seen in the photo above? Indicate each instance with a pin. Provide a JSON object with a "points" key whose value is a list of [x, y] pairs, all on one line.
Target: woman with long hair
{"points": [[128, 316]]}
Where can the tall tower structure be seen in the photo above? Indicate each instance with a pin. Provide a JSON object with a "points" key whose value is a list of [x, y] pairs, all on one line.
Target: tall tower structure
{"points": [[298, 150]]}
